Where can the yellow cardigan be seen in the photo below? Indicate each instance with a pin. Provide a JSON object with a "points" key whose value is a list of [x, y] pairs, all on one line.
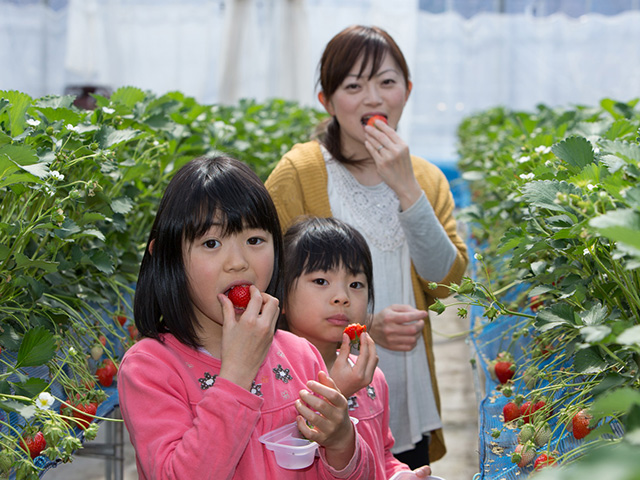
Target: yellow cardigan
{"points": [[298, 186]]}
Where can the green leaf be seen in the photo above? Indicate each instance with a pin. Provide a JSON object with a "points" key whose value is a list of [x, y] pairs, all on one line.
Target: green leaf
{"points": [[543, 193], [20, 102], [631, 336], [24, 262], [588, 360], [622, 225], [30, 388], [594, 316], [102, 261], [127, 96], [108, 136], [619, 401], [630, 152], [576, 151], [37, 348], [122, 205], [558, 314]]}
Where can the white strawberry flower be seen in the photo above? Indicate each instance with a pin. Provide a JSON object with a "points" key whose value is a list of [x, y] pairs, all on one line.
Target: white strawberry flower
{"points": [[56, 174], [45, 401], [542, 149], [527, 176], [524, 159], [108, 110], [33, 122]]}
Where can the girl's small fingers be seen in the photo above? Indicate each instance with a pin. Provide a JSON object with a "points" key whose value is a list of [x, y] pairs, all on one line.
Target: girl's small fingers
{"points": [[228, 310]]}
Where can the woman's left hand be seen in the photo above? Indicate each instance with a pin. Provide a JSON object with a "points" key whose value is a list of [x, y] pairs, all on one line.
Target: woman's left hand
{"points": [[393, 162]]}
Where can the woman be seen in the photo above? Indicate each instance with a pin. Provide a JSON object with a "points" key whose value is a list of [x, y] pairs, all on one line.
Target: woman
{"points": [[364, 175]]}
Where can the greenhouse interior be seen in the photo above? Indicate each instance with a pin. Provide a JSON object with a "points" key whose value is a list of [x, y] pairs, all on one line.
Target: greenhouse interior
{"points": [[527, 110]]}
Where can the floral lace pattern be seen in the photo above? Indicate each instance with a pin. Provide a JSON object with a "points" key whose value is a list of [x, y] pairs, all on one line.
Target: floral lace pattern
{"points": [[374, 210]]}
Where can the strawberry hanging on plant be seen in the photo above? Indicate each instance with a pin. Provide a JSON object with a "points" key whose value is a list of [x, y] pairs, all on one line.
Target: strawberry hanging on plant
{"points": [[33, 441], [354, 331], [580, 424], [524, 454], [543, 460], [506, 369]]}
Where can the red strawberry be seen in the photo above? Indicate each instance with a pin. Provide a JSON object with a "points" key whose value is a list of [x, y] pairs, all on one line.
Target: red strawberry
{"points": [[504, 371], [34, 443], [526, 409], [86, 413], [543, 460], [240, 296], [110, 366], [121, 319], [580, 424], [523, 454], [536, 303], [372, 120], [511, 411], [354, 331], [105, 377], [133, 332]]}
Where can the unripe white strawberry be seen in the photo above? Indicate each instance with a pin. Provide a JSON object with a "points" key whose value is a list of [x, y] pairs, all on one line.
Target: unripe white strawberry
{"points": [[96, 352], [542, 435], [524, 454], [526, 433]]}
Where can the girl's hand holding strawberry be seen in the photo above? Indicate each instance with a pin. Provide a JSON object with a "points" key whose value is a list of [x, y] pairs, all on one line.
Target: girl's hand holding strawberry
{"points": [[393, 162], [351, 378], [326, 409], [246, 339]]}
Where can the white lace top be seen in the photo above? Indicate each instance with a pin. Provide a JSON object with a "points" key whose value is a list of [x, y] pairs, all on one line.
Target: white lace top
{"points": [[375, 212]]}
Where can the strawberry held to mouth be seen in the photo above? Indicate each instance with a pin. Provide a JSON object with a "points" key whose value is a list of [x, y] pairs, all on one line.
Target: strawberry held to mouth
{"points": [[240, 296], [372, 120], [354, 331]]}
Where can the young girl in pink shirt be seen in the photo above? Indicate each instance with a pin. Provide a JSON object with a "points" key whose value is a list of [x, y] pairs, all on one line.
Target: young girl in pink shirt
{"points": [[328, 284], [209, 378]]}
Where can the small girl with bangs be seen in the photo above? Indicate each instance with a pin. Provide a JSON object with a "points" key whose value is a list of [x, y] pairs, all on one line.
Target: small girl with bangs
{"points": [[328, 285], [208, 378]]}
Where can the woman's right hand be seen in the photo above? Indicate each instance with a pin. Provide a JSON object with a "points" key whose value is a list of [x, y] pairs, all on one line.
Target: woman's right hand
{"points": [[398, 327], [246, 339]]}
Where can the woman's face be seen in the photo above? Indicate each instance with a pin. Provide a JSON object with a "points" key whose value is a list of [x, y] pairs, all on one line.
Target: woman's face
{"points": [[360, 97]]}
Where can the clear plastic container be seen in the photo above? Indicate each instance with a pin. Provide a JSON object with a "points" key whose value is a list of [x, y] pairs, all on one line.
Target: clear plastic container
{"points": [[407, 475], [291, 449]]}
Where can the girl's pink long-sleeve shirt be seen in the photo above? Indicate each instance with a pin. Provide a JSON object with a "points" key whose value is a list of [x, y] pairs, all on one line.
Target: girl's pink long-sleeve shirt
{"points": [[370, 406], [185, 423]]}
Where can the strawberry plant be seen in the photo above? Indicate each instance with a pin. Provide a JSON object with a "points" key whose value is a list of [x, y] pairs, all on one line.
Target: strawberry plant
{"points": [[78, 191], [555, 226]]}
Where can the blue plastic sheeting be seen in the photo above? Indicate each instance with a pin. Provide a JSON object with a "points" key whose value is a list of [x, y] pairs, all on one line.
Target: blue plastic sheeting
{"points": [[459, 186]]}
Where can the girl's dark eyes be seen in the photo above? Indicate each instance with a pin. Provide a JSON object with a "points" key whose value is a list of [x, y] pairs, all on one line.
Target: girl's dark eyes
{"points": [[255, 241], [211, 243], [357, 285], [320, 281]]}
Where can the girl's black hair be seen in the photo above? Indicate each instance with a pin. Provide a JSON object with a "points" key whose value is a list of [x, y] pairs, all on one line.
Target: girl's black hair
{"points": [[205, 189], [339, 56], [321, 244]]}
